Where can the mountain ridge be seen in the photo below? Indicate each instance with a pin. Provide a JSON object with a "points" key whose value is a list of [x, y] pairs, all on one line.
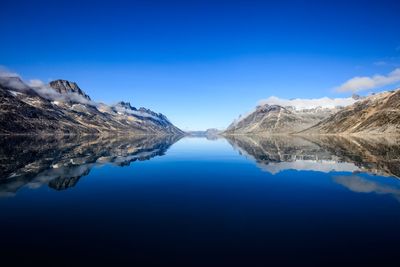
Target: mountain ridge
{"points": [[276, 119], [61, 107], [375, 114]]}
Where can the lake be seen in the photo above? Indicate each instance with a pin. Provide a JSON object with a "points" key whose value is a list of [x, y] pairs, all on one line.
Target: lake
{"points": [[159, 201]]}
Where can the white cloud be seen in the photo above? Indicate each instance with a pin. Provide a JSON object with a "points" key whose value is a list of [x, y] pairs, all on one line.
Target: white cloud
{"points": [[11, 80], [36, 83], [369, 82], [124, 110], [303, 103]]}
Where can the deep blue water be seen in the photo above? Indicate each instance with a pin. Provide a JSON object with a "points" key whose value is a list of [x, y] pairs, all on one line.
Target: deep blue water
{"points": [[201, 202]]}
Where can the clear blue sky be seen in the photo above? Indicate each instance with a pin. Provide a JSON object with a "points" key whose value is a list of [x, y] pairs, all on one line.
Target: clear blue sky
{"points": [[201, 63]]}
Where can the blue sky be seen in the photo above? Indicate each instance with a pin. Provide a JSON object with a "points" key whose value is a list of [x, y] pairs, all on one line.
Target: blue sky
{"points": [[202, 63]]}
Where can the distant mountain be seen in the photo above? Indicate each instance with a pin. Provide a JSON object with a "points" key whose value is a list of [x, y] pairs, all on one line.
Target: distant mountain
{"points": [[276, 119], [61, 107], [211, 133], [375, 114]]}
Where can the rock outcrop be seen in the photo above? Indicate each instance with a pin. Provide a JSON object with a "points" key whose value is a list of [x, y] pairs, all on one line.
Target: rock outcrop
{"points": [[67, 87]]}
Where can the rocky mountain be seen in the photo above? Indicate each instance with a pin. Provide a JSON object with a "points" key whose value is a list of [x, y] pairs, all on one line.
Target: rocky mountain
{"points": [[276, 119], [61, 161], [67, 87], [375, 114], [61, 107]]}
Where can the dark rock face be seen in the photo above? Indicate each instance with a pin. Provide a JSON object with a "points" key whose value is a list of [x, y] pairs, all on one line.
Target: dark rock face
{"points": [[24, 111], [62, 183], [376, 114], [67, 87]]}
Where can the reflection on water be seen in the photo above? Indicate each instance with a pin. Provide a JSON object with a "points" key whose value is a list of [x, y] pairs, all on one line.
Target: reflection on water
{"points": [[322, 153], [377, 156], [285, 201], [360, 184], [60, 162]]}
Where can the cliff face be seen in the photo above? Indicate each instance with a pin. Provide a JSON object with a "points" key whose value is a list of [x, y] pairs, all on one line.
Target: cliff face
{"points": [[376, 114], [63, 108], [67, 87]]}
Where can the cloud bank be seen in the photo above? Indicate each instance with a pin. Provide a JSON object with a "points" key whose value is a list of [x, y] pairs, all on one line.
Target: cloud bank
{"points": [[360, 83], [303, 103]]}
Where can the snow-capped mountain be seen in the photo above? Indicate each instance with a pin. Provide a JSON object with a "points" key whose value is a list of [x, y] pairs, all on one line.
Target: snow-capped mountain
{"points": [[376, 114], [276, 119], [61, 107]]}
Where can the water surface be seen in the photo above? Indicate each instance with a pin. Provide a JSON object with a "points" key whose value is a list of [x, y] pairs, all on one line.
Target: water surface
{"points": [[192, 201]]}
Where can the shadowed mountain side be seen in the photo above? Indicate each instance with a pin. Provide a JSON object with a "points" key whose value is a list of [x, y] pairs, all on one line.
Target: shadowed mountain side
{"points": [[61, 162], [321, 153]]}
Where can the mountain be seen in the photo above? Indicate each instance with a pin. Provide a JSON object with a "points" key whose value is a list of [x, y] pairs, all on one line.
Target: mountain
{"points": [[211, 134], [67, 87], [61, 107], [375, 114], [276, 119]]}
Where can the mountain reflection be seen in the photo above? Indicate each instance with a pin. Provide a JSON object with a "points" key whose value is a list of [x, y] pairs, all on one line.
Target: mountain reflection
{"points": [[60, 162], [273, 154]]}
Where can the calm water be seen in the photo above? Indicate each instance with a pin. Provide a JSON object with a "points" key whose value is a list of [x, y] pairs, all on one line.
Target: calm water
{"points": [[194, 201]]}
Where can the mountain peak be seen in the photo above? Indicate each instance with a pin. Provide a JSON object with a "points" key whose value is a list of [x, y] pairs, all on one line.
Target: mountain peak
{"points": [[126, 105], [66, 87]]}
